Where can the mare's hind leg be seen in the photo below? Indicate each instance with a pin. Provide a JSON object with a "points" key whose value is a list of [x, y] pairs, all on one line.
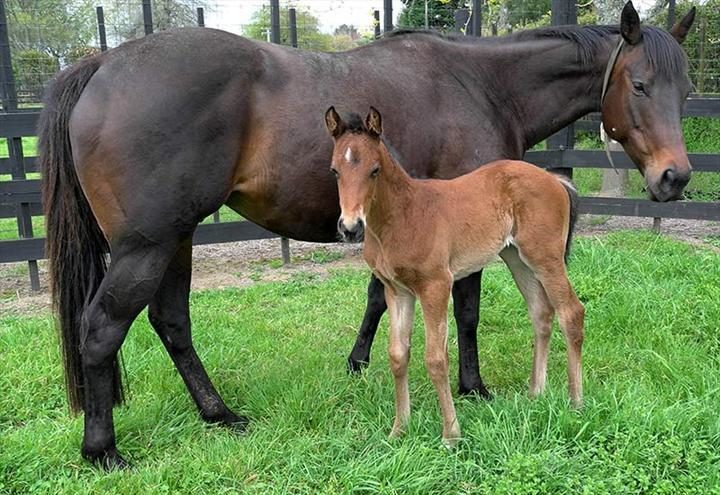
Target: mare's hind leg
{"points": [[541, 314], [169, 314], [360, 355], [466, 306], [133, 277], [549, 267]]}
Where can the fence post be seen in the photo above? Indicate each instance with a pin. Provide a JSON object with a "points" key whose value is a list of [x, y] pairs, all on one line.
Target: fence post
{"points": [[101, 28], [200, 17], [476, 18], [387, 15], [275, 21], [461, 19], [292, 21], [376, 16], [563, 12], [15, 147], [147, 16], [275, 38]]}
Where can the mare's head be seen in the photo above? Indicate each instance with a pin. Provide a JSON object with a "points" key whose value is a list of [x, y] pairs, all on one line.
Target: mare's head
{"points": [[355, 162], [643, 102]]}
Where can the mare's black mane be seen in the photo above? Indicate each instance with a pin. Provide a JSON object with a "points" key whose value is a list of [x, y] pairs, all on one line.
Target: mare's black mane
{"points": [[664, 54]]}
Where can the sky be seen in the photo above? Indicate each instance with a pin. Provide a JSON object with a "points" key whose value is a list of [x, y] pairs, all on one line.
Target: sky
{"points": [[230, 15]]}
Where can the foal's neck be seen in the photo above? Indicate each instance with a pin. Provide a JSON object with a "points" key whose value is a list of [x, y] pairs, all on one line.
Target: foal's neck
{"points": [[394, 194]]}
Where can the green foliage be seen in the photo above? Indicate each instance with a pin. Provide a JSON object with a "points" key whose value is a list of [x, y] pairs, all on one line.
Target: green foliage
{"points": [[32, 69], [50, 26], [129, 24], [308, 28], [441, 14], [276, 351]]}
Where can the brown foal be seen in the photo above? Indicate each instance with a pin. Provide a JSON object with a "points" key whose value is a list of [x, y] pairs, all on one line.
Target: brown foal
{"points": [[421, 235]]}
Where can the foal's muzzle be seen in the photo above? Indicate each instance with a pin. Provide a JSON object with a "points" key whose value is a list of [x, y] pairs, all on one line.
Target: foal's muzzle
{"points": [[351, 233]]}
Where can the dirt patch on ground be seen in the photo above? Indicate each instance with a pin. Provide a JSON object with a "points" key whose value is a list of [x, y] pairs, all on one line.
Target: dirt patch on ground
{"points": [[239, 264]]}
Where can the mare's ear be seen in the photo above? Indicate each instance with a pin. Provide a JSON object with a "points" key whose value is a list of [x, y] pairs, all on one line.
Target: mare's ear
{"points": [[373, 122], [630, 24], [681, 28], [334, 123]]}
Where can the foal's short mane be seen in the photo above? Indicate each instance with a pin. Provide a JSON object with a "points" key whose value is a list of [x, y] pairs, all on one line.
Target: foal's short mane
{"points": [[662, 51]]}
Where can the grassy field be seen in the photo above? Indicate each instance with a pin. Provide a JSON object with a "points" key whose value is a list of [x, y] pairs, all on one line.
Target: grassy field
{"points": [[276, 352]]}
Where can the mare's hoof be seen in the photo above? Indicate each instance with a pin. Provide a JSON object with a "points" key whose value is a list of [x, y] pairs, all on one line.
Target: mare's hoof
{"points": [[355, 367], [477, 390], [230, 420], [109, 461]]}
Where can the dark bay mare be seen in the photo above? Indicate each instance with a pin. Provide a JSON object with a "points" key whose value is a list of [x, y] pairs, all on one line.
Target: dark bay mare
{"points": [[140, 143]]}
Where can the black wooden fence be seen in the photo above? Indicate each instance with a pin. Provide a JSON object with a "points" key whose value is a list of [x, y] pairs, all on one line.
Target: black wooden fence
{"points": [[20, 197]]}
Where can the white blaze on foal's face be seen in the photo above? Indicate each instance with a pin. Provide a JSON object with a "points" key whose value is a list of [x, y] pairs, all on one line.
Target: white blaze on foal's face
{"points": [[355, 164]]}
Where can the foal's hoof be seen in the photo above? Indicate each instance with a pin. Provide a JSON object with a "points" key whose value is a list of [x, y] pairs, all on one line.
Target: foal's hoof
{"points": [[109, 461], [355, 367], [477, 390]]}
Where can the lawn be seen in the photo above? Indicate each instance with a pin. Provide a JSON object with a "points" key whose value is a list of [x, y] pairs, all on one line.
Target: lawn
{"points": [[276, 352]]}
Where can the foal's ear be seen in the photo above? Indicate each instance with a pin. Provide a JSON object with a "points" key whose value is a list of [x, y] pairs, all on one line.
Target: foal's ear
{"points": [[630, 24], [334, 123], [373, 122], [681, 28]]}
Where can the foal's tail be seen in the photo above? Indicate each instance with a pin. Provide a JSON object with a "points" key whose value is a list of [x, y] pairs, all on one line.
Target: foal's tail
{"points": [[75, 245], [573, 197]]}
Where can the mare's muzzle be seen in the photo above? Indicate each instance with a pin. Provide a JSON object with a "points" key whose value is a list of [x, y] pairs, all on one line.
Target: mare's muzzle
{"points": [[671, 184], [354, 232]]}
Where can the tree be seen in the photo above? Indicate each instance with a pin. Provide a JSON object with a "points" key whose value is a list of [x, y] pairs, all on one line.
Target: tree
{"points": [[129, 24], [49, 26], [440, 13], [308, 28]]}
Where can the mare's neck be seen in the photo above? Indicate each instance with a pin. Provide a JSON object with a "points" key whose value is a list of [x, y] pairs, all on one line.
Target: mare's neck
{"points": [[393, 197], [541, 81]]}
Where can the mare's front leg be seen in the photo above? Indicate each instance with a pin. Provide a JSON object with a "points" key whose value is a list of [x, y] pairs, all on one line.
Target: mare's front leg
{"points": [[169, 314], [466, 306], [376, 306], [402, 313], [434, 299]]}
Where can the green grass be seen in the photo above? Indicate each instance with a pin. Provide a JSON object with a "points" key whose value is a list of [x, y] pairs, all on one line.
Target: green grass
{"points": [[276, 351]]}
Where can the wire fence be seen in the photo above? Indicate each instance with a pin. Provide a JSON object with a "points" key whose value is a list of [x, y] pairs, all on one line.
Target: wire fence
{"points": [[43, 39]]}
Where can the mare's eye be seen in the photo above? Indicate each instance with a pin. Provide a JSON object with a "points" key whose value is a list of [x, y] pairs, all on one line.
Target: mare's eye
{"points": [[375, 172], [335, 173], [639, 87]]}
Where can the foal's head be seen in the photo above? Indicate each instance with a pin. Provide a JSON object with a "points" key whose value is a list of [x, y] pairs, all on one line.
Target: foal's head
{"points": [[643, 103], [356, 162]]}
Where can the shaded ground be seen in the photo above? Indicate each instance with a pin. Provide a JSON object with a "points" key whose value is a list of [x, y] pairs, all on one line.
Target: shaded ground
{"points": [[239, 264]]}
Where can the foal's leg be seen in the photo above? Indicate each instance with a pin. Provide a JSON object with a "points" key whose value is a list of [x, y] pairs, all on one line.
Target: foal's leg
{"points": [[132, 278], [552, 273], [402, 312], [466, 304], [376, 306], [169, 314], [434, 300], [541, 314]]}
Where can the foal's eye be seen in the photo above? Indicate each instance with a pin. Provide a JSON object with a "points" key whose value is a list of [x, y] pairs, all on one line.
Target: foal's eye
{"points": [[639, 87], [375, 172], [335, 173]]}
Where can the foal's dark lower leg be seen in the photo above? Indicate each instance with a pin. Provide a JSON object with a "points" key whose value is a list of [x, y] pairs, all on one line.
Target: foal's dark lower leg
{"points": [[376, 306], [169, 314], [466, 305], [128, 286]]}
